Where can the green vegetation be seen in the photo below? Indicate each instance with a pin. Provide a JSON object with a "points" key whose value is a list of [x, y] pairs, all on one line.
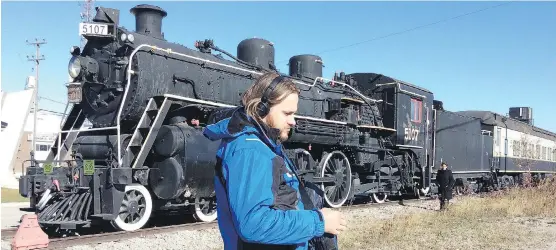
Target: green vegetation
{"points": [[12, 195]]}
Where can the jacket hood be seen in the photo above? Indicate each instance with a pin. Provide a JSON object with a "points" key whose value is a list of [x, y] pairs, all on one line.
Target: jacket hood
{"points": [[233, 122]]}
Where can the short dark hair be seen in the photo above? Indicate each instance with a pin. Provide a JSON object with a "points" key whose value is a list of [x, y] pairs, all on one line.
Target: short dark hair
{"points": [[443, 164]]}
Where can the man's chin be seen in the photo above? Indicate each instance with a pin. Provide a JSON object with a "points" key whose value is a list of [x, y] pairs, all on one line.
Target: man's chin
{"points": [[284, 137]]}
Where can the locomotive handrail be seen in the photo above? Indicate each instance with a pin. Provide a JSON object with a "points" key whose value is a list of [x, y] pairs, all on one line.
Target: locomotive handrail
{"points": [[169, 51], [232, 106], [76, 130], [59, 137]]}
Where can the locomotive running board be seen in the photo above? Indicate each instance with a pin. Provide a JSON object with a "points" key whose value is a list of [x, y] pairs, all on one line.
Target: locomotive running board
{"points": [[146, 131], [74, 121]]}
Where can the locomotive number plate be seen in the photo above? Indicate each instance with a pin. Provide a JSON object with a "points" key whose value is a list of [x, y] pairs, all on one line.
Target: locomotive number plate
{"points": [[93, 29], [74, 93]]}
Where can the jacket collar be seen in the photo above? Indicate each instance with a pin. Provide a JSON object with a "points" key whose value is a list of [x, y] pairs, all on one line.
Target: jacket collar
{"points": [[240, 121]]}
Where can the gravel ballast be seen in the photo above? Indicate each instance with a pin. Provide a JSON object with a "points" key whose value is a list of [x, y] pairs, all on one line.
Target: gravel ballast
{"points": [[207, 239]]}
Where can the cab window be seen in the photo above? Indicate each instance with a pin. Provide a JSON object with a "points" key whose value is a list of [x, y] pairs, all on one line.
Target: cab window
{"points": [[416, 110]]}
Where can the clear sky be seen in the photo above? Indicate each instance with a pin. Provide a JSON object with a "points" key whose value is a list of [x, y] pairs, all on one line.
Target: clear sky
{"points": [[490, 60]]}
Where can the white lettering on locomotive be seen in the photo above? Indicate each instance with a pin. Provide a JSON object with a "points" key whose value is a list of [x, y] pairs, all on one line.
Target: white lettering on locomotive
{"points": [[411, 133]]}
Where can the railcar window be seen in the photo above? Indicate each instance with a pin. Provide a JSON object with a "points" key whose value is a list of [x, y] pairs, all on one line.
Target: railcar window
{"points": [[498, 136], [416, 110], [516, 148]]}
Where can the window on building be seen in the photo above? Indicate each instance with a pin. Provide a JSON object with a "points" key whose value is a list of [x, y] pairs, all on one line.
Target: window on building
{"points": [[42, 147], [416, 110]]}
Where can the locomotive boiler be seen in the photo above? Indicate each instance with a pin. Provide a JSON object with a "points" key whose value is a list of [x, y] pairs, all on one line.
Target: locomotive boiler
{"points": [[148, 99]]}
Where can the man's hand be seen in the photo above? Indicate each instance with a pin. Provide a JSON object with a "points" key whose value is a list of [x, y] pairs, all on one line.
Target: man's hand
{"points": [[334, 221]]}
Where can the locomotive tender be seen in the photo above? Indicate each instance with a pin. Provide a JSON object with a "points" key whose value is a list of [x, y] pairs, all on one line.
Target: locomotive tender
{"points": [[357, 135]]}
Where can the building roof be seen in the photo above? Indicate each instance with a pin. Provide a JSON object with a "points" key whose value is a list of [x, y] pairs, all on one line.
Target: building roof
{"points": [[494, 119]]}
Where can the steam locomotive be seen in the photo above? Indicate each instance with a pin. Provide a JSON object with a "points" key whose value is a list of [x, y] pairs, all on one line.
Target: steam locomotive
{"points": [[357, 135]]}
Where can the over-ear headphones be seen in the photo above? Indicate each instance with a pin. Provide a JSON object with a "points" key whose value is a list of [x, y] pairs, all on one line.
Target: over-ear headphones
{"points": [[264, 107]]}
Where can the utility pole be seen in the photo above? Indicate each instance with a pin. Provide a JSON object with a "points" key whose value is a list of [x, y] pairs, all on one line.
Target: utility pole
{"points": [[36, 58]]}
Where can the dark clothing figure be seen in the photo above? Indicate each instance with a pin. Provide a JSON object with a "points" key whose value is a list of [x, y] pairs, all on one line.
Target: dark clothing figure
{"points": [[445, 180]]}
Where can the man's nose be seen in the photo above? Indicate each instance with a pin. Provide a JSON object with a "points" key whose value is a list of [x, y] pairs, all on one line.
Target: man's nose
{"points": [[291, 122]]}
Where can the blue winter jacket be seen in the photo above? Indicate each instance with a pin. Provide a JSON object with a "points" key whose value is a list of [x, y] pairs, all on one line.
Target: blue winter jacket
{"points": [[262, 208]]}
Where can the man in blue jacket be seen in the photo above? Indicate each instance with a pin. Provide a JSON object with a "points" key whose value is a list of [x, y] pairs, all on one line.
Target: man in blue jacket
{"points": [[259, 202]]}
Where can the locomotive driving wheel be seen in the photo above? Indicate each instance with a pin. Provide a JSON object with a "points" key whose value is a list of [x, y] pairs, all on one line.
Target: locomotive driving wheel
{"points": [[135, 210], [336, 164], [379, 197], [205, 209]]}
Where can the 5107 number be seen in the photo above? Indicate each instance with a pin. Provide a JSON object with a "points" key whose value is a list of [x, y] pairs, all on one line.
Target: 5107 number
{"points": [[93, 29]]}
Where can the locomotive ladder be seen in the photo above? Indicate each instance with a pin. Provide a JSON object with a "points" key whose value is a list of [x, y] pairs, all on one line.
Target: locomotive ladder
{"points": [[67, 136], [146, 131]]}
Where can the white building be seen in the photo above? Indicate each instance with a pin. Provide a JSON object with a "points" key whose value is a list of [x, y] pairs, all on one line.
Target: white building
{"points": [[17, 116]]}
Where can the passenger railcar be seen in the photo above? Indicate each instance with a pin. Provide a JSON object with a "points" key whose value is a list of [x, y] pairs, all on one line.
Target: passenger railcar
{"points": [[488, 150], [148, 99]]}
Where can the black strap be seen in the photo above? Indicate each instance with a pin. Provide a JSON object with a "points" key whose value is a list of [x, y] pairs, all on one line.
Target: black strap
{"points": [[271, 87]]}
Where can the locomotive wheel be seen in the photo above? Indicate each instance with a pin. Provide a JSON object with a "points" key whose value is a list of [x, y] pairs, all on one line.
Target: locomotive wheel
{"points": [[336, 164], [205, 212], [379, 197], [135, 210]]}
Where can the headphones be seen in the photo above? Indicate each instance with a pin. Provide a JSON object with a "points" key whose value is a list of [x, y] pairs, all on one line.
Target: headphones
{"points": [[264, 107]]}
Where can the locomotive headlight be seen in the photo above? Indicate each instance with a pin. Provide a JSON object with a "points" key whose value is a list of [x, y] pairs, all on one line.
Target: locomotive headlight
{"points": [[74, 67]]}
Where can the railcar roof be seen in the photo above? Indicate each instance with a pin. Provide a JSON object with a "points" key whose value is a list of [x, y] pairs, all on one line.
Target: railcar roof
{"points": [[494, 119]]}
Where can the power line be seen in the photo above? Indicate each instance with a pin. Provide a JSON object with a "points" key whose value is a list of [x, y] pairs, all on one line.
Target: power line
{"points": [[48, 99], [412, 29]]}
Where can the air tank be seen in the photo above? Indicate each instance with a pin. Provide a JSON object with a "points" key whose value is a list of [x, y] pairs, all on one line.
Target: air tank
{"points": [[148, 20], [306, 66], [257, 51], [185, 160]]}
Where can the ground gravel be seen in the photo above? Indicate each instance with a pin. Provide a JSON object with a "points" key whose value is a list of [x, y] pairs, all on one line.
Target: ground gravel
{"points": [[208, 239]]}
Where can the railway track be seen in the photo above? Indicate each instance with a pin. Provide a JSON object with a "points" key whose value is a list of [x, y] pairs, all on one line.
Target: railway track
{"points": [[62, 242], [57, 243]]}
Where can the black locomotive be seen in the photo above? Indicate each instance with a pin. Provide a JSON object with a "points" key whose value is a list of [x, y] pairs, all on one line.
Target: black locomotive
{"points": [[357, 135]]}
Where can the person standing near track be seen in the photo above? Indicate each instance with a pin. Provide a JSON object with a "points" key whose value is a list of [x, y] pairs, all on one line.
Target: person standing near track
{"points": [[445, 181], [261, 202]]}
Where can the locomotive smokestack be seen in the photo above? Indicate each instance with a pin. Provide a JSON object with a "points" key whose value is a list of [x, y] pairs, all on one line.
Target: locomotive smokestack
{"points": [[148, 20]]}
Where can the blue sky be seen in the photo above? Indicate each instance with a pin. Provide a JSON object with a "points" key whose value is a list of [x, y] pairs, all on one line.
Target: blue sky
{"points": [[491, 60]]}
